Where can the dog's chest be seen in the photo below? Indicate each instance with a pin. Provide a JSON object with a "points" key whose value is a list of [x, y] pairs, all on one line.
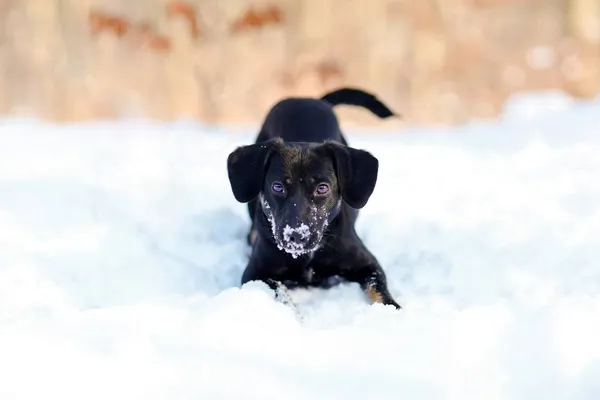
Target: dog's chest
{"points": [[316, 273], [309, 274]]}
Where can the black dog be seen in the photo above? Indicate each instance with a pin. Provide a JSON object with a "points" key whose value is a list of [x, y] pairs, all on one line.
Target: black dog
{"points": [[304, 186]]}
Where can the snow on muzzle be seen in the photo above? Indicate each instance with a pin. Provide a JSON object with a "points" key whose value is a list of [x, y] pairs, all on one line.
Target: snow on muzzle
{"points": [[298, 240]]}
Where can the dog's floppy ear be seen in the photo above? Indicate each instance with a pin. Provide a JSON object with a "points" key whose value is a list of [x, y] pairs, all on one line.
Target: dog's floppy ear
{"points": [[357, 173], [246, 168]]}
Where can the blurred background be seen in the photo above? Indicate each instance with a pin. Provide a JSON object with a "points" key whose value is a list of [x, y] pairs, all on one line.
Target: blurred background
{"points": [[438, 62]]}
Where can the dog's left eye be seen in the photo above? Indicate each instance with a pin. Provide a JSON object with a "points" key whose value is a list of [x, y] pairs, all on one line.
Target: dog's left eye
{"points": [[277, 187], [322, 189]]}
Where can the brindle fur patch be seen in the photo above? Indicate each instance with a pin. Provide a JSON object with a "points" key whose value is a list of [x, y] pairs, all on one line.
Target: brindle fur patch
{"points": [[252, 237], [295, 161], [374, 295]]}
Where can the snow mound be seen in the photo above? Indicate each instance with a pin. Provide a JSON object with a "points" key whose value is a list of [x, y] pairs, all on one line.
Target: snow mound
{"points": [[121, 251]]}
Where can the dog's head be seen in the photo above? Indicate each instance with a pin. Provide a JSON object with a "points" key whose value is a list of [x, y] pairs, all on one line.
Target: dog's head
{"points": [[301, 186]]}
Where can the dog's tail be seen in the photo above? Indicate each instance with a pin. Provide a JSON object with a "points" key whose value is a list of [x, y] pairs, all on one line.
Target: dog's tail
{"points": [[358, 97]]}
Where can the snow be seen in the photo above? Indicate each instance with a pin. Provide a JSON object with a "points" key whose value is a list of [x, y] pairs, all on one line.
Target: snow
{"points": [[121, 250]]}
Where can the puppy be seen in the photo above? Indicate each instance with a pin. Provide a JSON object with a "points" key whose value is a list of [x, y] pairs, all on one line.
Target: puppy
{"points": [[304, 186]]}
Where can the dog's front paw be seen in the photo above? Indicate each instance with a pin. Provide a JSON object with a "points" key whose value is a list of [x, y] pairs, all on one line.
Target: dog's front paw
{"points": [[393, 303], [378, 293], [282, 295]]}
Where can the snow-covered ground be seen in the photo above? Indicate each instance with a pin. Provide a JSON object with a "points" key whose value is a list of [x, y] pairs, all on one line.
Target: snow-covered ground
{"points": [[121, 249]]}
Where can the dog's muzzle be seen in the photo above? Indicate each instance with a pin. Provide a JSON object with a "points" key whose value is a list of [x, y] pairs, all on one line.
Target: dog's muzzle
{"points": [[296, 240]]}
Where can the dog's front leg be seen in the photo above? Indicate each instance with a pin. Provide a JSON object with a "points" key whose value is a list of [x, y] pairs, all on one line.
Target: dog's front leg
{"points": [[373, 282], [253, 273]]}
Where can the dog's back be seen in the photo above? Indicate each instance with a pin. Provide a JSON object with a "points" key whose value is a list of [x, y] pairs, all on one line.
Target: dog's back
{"points": [[302, 119], [299, 119]]}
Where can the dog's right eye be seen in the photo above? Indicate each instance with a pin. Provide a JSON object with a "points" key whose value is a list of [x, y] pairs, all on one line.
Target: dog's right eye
{"points": [[277, 187]]}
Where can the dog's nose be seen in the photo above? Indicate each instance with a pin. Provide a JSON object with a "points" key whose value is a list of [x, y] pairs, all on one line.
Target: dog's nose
{"points": [[298, 238]]}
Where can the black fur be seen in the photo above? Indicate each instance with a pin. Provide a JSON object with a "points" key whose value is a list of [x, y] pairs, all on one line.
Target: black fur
{"points": [[304, 186], [357, 97]]}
